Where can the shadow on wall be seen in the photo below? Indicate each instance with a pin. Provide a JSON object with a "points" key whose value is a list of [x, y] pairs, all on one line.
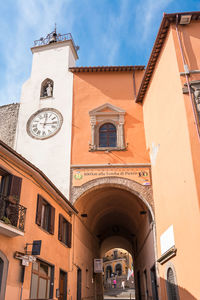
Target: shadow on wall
{"points": [[110, 84], [174, 292]]}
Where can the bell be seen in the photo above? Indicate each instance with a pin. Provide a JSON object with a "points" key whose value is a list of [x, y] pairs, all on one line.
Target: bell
{"points": [[53, 38]]}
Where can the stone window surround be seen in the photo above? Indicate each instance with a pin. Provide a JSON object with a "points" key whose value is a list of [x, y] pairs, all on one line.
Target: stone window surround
{"points": [[98, 118], [195, 90]]}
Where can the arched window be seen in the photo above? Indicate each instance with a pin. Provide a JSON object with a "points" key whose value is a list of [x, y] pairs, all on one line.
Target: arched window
{"points": [[118, 269], [107, 135], [108, 272], [107, 128], [171, 285], [46, 88]]}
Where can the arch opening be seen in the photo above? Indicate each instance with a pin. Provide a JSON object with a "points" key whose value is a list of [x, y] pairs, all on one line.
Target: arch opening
{"points": [[119, 218], [118, 265]]}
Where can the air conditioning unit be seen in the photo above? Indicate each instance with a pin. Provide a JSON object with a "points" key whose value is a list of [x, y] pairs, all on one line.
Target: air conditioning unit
{"points": [[185, 19]]}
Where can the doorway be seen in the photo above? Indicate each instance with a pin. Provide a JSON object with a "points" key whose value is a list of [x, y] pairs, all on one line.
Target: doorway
{"points": [[120, 219], [63, 285], [79, 275], [154, 283]]}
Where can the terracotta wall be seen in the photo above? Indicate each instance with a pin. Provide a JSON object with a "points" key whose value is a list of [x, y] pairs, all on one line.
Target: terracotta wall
{"points": [[52, 251], [190, 41], [86, 248], [174, 186], [94, 89]]}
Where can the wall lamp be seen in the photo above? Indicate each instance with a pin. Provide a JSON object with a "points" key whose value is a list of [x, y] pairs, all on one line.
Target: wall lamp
{"points": [[143, 212], [84, 215]]}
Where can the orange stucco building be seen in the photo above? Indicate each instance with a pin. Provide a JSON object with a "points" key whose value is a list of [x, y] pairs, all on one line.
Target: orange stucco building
{"points": [[31, 209], [133, 173]]}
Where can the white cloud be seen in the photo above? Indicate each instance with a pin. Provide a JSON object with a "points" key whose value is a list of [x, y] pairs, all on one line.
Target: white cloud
{"points": [[30, 20], [107, 31], [147, 14]]}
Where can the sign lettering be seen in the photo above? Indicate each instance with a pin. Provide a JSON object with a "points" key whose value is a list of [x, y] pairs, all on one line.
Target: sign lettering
{"points": [[140, 175]]}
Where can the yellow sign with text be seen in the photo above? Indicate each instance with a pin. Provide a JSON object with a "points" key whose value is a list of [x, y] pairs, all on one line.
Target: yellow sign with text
{"points": [[140, 175]]}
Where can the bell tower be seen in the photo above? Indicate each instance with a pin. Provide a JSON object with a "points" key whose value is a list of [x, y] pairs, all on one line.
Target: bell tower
{"points": [[45, 116]]}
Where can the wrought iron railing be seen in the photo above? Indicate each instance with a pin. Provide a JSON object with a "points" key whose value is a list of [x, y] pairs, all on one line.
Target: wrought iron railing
{"points": [[12, 213], [54, 37]]}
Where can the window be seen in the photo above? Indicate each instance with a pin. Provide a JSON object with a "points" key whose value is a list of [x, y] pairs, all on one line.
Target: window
{"points": [[108, 271], [10, 190], [115, 254], [46, 88], [10, 186], [171, 285], [107, 128], [41, 281], [118, 269], [64, 231], [107, 135], [45, 215]]}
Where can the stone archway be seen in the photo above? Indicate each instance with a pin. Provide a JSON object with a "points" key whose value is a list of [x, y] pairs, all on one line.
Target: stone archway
{"points": [[145, 193], [120, 213]]}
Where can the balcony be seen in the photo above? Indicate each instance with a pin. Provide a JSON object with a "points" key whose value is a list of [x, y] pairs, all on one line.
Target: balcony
{"points": [[12, 217]]}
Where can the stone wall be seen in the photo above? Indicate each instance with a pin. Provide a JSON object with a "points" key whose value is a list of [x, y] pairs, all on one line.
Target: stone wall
{"points": [[8, 123]]}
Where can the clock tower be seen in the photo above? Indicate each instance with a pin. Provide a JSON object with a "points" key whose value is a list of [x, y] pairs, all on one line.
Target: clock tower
{"points": [[45, 116]]}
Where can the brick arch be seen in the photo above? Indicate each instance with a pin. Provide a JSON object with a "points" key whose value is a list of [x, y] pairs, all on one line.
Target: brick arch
{"points": [[142, 192]]}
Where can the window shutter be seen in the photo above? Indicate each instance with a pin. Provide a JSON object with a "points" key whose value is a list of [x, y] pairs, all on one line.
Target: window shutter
{"points": [[14, 188], [60, 229], [39, 210], [52, 220], [69, 234], [51, 283]]}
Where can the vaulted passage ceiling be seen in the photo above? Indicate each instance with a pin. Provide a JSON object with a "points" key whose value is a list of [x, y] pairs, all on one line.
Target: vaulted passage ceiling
{"points": [[112, 211]]}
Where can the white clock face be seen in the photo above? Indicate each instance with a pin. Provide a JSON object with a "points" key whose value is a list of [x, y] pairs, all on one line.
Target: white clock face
{"points": [[44, 123]]}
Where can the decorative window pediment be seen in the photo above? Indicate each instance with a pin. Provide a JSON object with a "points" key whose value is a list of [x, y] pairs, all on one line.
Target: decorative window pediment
{"points": [[107, 122]]}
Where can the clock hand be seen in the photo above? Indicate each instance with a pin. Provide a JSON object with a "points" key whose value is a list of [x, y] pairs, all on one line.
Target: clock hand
{"points": [[45, 121], [47, 124]]}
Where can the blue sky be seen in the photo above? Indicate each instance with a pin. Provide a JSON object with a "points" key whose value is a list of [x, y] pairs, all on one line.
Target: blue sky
{"points": [[109, 32]]}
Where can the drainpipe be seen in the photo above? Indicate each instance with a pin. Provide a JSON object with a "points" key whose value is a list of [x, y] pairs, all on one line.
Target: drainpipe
{"points": [[187, 73], [134, 85]]}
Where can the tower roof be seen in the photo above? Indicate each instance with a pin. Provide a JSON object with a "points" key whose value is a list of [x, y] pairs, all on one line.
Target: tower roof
{"points": [[53, 39]]}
